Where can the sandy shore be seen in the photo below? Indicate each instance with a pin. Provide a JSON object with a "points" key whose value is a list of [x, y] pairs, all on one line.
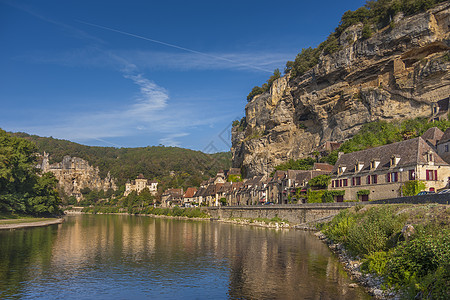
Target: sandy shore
{"points": [[31, 224]]}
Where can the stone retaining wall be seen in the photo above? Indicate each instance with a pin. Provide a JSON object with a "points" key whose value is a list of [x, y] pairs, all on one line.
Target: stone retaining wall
{"points": [[304, 213]]}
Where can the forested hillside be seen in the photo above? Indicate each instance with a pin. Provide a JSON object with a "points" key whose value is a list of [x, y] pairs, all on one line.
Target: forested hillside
{"points": [[172, 166]]}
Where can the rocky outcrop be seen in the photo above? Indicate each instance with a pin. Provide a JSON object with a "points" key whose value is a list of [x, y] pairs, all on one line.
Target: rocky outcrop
{"points": [[402, 71], [75, 174]]}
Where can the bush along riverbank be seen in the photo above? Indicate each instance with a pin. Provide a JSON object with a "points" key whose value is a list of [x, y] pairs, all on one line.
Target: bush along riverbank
{"points": [[395, 251], [156, 211]]}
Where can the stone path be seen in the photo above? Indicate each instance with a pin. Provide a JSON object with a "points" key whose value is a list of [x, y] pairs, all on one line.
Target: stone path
{"points": [[31, 224]]}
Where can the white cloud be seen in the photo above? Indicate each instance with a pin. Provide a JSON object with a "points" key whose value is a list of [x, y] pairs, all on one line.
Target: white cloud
{"points": [[127, 61], [152, 97], [170, 139]]}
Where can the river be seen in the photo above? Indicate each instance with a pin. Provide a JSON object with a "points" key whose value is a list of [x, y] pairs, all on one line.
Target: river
{"points": [[133, 257]]}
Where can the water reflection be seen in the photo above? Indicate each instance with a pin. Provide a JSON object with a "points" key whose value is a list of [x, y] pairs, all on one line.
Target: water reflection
{"points": [[124, 257]]}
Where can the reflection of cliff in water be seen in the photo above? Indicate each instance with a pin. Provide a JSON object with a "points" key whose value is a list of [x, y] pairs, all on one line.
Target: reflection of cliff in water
{"points": [[123, 257]]}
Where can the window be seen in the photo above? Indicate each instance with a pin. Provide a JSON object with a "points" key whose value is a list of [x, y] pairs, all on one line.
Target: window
{"points": [[344, 182], [374, 179], [412, 175], [356, 181], [431, 174], [368, 179], [392, 177]]}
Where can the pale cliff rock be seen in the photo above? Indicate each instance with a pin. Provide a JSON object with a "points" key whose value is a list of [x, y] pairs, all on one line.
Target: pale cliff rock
{"points": [[402, 71], [75, 174]]}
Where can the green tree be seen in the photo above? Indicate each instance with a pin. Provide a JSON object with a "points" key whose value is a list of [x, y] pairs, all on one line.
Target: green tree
{"points": [[22, 190], [320, 182]]}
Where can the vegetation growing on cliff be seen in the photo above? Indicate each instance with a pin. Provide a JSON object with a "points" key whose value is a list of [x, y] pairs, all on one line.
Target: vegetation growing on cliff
{"points": [[414, 259], [299, 164], [257, 90], [373, 15], [22, 189], [381, 133]]}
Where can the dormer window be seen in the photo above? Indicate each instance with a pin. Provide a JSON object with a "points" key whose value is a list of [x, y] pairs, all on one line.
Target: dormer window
{"points": [[429, 156], [341, 169], [394, 160], [359, 165], [374, 164]]}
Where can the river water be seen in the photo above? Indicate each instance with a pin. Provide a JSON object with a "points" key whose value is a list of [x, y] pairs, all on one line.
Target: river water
{"points": [[131, 257]]}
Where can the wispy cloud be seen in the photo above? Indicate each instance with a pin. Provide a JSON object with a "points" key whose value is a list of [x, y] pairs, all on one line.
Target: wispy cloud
{"points": [[128, 60], [151, 97], [192, 51], [170, 139]]}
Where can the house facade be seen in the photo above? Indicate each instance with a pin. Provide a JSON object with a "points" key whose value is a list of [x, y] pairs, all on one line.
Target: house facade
{"points": [[381, 172], [139, 184]]}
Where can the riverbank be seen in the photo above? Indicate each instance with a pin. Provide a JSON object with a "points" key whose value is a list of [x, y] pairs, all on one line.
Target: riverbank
{"points": [[394, 251], [8, 224]]}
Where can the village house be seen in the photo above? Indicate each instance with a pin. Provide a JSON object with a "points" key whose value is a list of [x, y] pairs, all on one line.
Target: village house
{"points": [[443, 146], [252, 191], [382, 171], [274, 191], [139, 184], [188, 197], [172, 197]]}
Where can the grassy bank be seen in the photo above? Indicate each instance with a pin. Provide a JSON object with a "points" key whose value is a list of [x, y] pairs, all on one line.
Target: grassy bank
{"points": [[171, 212], [8, 218], [408, 246]]}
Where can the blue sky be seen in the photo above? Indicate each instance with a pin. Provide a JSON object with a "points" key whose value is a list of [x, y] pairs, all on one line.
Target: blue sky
{"points": [[140, 73]]}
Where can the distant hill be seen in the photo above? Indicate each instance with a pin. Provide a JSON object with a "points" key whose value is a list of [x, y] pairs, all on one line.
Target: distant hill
{"points": [[172, 166]]}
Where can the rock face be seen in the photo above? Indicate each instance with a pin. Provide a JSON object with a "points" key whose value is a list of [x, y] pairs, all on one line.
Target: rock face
{"points": [[75, 174], [402, 71]]}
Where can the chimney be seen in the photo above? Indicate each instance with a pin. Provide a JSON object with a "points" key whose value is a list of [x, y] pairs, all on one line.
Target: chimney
{"points": [[340, 154]]}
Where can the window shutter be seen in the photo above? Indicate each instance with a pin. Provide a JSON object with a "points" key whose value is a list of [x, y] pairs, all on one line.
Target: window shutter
{"points": [[368, 179], [435, 175], [388, 177], [353, 181], [428, 175]]}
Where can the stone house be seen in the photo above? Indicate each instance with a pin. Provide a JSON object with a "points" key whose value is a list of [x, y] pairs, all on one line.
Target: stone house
{"points": [[384, 170], [273, 193], [253, 191], [139, 184], [199, 196], [188, 197], [172, 197], [233, 195], [443, 146]]}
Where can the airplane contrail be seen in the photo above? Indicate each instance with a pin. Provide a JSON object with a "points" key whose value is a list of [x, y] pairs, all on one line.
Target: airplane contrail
{"points": [[174, 46]]}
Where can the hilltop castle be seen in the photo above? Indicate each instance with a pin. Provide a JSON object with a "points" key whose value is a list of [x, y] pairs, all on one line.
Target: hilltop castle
{"points": [[74, 174]]}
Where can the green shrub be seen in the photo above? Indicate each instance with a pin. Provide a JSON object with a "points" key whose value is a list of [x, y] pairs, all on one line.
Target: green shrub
{"points": [[314, 196], [321, 181], [328, 196], [413, 187], [376, 263]]}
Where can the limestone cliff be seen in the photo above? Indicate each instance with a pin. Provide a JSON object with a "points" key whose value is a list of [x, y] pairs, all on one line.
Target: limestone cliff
{"points": [[402, 71], [75, 174]]}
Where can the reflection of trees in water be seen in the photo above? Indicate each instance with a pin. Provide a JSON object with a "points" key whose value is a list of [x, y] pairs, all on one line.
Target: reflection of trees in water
{"points": [[18, 250], [268, 264], [259, 263]]}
